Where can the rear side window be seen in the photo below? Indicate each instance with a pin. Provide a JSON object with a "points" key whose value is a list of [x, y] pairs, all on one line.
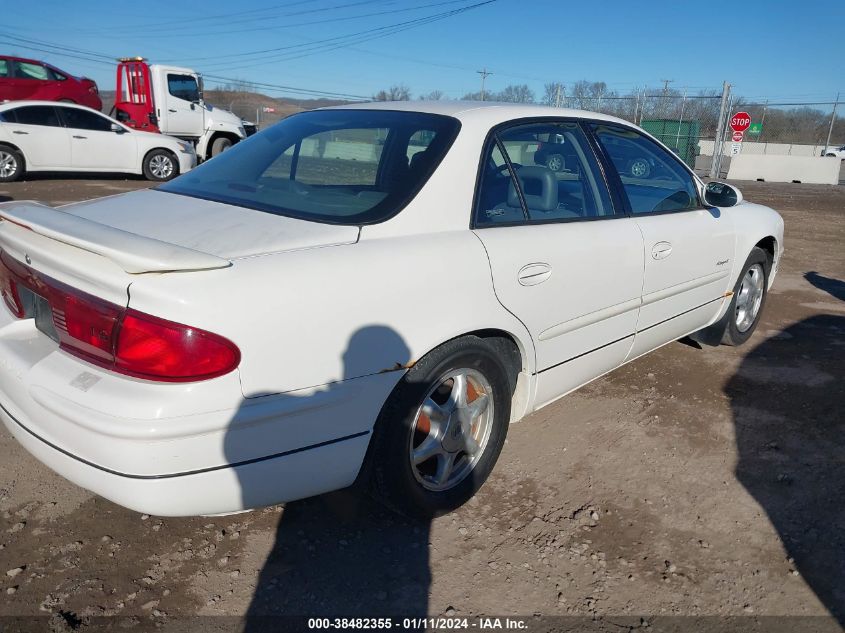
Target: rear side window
{"points": [[557, 177], [25, 70], [4, 68], [653, 179], [336, 166], [84, 120], [35, 115]]}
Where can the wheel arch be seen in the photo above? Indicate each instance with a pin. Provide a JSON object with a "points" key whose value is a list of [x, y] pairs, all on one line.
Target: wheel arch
{"points": [[515, 355], [14, 147], [769, 245]]}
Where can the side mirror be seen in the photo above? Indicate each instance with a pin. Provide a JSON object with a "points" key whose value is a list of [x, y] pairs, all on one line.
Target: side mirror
{"points": [[117, 129], [721, 194]]}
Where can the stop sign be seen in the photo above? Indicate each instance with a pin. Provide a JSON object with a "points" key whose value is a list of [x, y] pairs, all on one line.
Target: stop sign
{"points": [[740, 121]]}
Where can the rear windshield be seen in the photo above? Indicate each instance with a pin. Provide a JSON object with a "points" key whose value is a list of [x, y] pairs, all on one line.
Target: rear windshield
{"points": [[335, 166]]}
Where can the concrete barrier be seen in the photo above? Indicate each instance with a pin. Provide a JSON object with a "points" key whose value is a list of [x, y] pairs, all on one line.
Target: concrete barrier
{"points": [[753, 147], [822, 171]]}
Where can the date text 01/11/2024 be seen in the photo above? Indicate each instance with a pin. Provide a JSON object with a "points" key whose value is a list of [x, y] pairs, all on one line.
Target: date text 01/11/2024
{"points": [[413, 624]]}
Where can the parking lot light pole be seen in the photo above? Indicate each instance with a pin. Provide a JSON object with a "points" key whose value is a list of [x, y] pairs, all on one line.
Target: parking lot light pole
{"points": [[716, 163], [830, 128]]}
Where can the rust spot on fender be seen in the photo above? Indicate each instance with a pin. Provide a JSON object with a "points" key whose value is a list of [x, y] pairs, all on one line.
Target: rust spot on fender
{"points": [[398, 366]]}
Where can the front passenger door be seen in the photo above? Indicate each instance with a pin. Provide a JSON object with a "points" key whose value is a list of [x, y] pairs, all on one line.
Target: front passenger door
{"points": [[94, 145], [688, 247], [564, 260]]}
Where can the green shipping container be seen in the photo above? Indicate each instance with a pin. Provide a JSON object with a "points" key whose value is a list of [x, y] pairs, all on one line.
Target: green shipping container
{"points": [[682, 137]]}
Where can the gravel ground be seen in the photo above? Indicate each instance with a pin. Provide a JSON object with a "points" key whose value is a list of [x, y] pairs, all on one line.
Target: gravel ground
{"points": [[689, 482]]}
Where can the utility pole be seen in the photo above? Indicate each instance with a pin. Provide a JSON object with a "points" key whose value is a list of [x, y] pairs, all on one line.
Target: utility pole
{"points": [[483, 74], [557, 96], [665, 106], [720, 131], [832, 119]]}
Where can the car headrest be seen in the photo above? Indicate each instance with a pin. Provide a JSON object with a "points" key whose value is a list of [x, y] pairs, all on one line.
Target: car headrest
{"points": [[539, 185]]}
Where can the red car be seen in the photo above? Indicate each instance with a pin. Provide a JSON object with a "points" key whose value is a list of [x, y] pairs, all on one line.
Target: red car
{"points": [[30, 79]]}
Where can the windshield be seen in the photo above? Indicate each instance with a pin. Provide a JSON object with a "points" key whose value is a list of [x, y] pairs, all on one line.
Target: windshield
{"points": [[335, 166]]}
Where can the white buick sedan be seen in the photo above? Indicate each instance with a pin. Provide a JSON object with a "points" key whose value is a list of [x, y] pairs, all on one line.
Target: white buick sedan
{"points": [[369, 293], [47, 136]]}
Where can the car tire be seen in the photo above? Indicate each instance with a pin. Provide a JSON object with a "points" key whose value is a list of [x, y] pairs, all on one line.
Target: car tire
{"points": [[160, 166], [12, 164], [396, 468], [220, 145], [749, 298], [555, 162], [639, 168], [831, 155]]}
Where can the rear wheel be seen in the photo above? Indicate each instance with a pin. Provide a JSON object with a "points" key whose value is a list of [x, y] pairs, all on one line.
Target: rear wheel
{"points": [[160, 165], [11, 164], [442, 429], [748, 300]]}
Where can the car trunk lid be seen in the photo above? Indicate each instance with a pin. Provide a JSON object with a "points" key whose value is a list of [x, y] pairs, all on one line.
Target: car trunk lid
{"points": [[222, 230]]}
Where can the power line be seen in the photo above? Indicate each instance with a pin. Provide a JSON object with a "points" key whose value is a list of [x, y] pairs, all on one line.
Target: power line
{"points": [[328, 41], [288, 25]]}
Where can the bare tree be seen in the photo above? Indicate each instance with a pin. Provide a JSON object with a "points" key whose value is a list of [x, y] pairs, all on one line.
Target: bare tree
{"points": [[434, 95], [477, 96], [399, 92], [554, 93], [516, 93]]}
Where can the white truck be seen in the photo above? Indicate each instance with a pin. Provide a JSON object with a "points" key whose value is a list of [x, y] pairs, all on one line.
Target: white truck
{"points": [[169, 100]]}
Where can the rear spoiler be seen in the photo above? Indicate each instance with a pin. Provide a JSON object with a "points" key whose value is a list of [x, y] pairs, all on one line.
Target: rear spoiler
{"points": [[134, 253]]}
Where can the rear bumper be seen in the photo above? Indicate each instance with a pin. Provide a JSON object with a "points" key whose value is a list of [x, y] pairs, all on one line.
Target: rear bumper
{"points": [[222, 489], [181, 449]]}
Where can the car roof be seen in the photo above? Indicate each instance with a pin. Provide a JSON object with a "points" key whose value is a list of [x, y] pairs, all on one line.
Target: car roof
{"points": [[32, 102], [498, 112]]}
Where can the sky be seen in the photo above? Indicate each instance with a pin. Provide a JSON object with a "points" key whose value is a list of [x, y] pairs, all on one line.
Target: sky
{"points": [[777, 50]]}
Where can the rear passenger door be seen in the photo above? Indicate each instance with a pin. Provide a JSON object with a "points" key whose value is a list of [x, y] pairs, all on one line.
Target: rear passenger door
{"points": [[689, 248], [565, 260], [38, 132]]}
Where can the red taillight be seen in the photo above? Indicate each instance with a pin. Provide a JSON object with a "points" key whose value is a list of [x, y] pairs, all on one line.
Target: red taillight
{"points": [[9, 289], [85, 324], [149, 347], [117, 338]]}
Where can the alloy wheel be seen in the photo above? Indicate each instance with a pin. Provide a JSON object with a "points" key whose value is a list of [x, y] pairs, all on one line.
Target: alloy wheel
{"points": [[451, 429], [161, 166], [750, 297], [8, 164]]}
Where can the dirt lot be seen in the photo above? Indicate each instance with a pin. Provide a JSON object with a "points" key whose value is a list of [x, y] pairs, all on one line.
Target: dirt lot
{"points": [[690, 482]]}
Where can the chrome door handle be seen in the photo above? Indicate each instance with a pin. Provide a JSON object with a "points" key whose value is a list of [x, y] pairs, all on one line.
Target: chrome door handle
{"points": [[19, 132], [661, 250], [533, 274], [75, 136]]}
